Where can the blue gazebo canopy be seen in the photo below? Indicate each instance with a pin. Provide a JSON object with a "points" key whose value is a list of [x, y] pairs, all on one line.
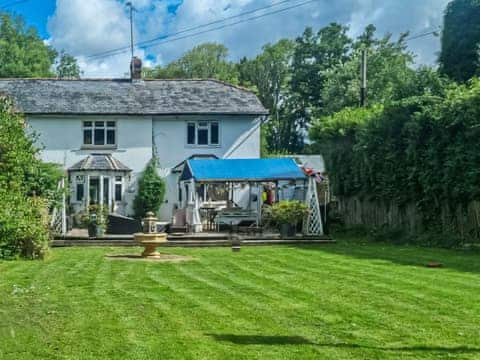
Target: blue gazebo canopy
{"points": [[242, 170]]}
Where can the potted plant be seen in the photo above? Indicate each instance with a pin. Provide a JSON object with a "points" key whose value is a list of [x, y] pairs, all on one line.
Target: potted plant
{"points": [[287, 215], [95, 220]]}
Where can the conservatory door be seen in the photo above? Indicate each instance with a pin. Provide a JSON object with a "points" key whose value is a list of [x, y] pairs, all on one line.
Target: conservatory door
{"points": [[99, 190]]}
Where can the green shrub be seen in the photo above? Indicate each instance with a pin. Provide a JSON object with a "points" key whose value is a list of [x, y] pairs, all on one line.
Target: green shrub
{"points": [[385, 233], [289, 212], [421, 150], [43, 182], [23, 226], [24, 202], [96, 214], [151, 191]]}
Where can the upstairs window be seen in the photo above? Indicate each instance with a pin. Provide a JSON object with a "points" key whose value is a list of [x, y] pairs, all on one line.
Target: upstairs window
{"points": [[205, 133], [99, 133]]}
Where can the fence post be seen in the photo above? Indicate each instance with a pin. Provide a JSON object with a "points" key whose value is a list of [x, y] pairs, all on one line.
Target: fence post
{"points": [[64, 210]]}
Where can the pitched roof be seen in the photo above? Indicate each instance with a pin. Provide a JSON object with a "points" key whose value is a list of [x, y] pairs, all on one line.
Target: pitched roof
{"points": [[179, 167], [315, 162], [99, 162], [122, 96]]}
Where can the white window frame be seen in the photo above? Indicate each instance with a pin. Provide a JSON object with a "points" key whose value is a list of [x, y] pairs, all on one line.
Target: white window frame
{"points": [[79, 180], [105, 128], [118, 182], [209, 135]]}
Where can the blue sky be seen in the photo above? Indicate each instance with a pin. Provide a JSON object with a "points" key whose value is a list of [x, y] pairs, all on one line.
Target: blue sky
{"points": [[86, 27], [35, 13]]}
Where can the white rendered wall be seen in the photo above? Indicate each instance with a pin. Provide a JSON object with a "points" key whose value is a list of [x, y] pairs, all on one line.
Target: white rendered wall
{"points": [[239, 138], [61, 141]]}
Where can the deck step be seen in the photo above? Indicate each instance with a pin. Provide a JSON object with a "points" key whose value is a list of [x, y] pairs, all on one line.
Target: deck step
{"points": [[189, 242]]}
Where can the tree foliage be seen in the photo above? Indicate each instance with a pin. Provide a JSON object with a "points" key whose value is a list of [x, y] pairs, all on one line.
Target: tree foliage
{"points": [[422, 150], [205, 61], [22, 52], [315, 75], [269, 74], [27, 187], [460, 52], [314, 54], [389, 72], [151, 191], [67, 67]]}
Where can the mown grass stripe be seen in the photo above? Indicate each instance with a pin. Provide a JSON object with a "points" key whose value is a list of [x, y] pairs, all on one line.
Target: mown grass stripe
{"points": [[346, 301]]}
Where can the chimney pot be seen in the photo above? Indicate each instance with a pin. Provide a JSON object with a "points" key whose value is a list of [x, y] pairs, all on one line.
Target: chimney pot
{"points": [[136, 68]]}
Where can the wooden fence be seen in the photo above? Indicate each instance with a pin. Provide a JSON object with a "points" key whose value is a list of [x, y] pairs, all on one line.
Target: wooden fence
{"points": [[463, 221]]}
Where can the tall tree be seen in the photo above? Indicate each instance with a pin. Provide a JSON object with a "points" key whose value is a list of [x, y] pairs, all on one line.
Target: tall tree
{"points": [[269, 74], [22, 52], [204, 61], [389, 72], [67, 66], [314, 54], [460, 53]]}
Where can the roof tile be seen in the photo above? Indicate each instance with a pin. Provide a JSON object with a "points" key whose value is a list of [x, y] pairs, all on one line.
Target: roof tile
{"points": [[124, 97]]}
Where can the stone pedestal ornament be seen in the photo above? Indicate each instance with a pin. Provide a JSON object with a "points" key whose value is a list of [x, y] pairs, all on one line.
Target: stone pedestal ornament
{"points": [[149, 238]]}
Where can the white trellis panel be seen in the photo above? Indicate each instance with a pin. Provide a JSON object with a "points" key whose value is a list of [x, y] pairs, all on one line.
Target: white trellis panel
{"points": [[313, 225], [58, 222]]}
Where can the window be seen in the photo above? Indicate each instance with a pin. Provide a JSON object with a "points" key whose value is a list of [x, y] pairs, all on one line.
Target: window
{"points": [[203, 133], [118, 188], [99, 133], [191, 133], [80, 192], [214, 133], [80, 188]]}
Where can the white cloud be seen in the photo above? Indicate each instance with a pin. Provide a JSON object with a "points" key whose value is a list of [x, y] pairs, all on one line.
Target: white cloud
{"points": [[87, 27], [84, 27], [390, 16]]}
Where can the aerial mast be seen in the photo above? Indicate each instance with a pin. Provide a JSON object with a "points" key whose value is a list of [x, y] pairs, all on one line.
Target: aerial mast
{"points": [[132, 9]]}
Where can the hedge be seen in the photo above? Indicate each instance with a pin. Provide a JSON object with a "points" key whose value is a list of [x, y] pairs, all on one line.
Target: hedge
{"points": [[424, 150]]}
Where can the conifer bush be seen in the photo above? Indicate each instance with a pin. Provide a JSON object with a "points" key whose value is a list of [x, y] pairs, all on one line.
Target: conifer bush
{"points": [[151, 191]]}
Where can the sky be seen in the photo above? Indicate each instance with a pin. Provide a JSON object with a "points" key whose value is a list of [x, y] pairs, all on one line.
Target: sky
{"points": [[88, 27]]}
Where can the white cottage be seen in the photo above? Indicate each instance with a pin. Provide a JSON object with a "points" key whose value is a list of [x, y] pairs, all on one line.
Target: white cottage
{"points": [[103, 132]]}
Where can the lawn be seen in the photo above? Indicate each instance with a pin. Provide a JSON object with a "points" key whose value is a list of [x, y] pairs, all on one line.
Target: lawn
{"points": [[340, 301]]}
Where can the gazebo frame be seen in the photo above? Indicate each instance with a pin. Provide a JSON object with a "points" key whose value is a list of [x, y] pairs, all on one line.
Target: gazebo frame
{"points": [[188, 186]]}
